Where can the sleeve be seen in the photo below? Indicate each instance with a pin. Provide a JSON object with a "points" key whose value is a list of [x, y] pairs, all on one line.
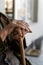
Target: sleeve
{"points": [[1, 46]]}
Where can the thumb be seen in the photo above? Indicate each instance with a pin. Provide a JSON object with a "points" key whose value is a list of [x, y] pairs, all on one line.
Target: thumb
{"points": [[19, 32]]}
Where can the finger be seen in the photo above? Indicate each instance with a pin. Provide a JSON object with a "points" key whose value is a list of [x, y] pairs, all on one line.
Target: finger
{"points": [[24, 33], [18, 24], [27, 26], [22, 23], [19, 32], [26, 23]]}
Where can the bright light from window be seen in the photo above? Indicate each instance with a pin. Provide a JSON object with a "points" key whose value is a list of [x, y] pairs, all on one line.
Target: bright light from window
{"points": [[8, 4]]}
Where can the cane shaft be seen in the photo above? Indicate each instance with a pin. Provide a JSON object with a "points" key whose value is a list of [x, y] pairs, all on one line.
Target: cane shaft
{"points": [[22, 52]]}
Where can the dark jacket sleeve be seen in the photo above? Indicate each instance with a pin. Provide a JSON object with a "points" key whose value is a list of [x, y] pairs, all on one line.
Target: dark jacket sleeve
{"points": [[1, 46]]}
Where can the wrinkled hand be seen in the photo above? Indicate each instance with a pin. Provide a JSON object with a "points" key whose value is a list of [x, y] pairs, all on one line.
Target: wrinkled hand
{"points": [[21, 24], [21, 30]]}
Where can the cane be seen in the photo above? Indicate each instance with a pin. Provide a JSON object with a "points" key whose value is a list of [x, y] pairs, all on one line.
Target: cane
{"points": [[22, 51]]}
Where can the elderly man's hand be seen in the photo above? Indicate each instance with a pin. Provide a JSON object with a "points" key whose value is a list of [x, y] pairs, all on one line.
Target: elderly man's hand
{"points": [[20, 28], [20, 31], [21, 24]]}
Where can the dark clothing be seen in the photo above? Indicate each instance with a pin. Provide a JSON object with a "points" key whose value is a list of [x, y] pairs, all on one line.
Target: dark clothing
{"points": [[14, 45], [1, 46], [2, 55]]}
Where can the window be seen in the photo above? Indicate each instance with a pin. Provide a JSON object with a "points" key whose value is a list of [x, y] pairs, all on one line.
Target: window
{"points": [[20, 9], [9, 8], [26, 10]]}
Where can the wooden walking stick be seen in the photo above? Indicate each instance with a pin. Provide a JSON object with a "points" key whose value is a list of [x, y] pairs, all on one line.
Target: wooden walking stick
{"points": [[22, 51]]}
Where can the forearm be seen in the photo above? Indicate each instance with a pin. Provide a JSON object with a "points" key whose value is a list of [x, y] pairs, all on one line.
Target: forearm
{"points": [[7, 30]]}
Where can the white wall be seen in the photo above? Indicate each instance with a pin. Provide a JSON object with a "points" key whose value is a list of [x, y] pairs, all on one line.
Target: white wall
{"points": [[37, 28], [2, 8]]}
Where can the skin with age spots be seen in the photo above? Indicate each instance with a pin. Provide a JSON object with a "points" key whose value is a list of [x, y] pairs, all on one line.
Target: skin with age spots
{"points": [[19, 28]]}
